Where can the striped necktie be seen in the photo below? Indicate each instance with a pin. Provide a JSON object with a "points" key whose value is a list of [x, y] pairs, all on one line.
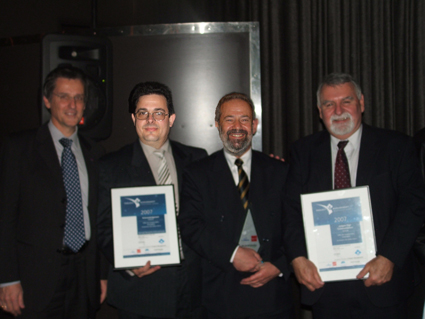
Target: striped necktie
{"points": [[243, 185], [164, 176]]}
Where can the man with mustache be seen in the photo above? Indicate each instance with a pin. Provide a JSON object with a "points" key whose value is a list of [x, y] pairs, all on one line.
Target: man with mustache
{"points": [[232, 217], [149, 291], [384, 160]]}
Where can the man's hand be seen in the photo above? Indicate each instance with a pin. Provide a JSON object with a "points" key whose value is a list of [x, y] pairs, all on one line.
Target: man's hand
{"points": [[12, 299], [307, 274], [267, 272], [145, 270], [103, 289], [380, 271], [247, 260], [277, 157]]}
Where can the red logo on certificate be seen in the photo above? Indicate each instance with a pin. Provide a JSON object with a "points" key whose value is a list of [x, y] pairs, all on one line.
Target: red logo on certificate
{"points": [[139, 251], [254, 238], [334, 263]]}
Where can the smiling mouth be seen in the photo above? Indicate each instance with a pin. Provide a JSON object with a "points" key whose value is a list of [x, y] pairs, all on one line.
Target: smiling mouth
{"points": [[237, 134], [341, 118]]}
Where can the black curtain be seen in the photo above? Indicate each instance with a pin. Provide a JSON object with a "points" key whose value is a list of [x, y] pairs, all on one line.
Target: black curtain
{"points": [[380, 42]]}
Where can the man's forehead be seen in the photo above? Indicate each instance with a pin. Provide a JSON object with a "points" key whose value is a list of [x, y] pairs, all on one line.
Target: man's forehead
{"points": [[63, 83]]}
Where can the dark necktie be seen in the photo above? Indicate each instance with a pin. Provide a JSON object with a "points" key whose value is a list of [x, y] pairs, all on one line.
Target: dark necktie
{"points": [[342, 173], [74, 236], [243, 185]]}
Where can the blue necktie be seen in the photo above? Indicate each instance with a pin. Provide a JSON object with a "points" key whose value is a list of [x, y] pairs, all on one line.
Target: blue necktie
{"points": [[74, 237]]}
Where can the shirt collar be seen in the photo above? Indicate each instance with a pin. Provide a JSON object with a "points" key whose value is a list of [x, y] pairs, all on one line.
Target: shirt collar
{"points": [[149, 150], [57, 135], [246, 158], [354, 139]]}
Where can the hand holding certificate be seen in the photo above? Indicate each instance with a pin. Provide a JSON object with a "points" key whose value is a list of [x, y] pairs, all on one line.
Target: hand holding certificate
{"points": [[339, 233]]}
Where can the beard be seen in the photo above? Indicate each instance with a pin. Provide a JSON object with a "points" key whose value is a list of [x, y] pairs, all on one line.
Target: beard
{"points": [[236, 147], [341, 128]]}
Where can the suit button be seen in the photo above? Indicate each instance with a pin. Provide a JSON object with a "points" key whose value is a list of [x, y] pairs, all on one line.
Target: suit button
{"points": [[266, 240], [222, 218]]}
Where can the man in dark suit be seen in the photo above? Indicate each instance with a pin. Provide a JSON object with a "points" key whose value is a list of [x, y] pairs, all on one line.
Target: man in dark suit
{"points": [[232, 216], [384, 160], [49, 265], [149, 291]]}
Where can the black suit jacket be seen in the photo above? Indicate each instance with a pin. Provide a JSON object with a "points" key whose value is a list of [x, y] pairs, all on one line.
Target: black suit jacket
{"points": [[155, 295], [32, 210], [388, 165], [211, 221]]}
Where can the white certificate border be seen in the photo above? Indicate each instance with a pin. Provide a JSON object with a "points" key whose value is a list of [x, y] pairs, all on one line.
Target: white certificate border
{"points": [[368, 231], [170, 220]]}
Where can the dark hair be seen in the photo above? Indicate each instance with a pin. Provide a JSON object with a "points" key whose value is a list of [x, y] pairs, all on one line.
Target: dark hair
{"points": [[148, 88], [233, 96], [335, 79], [67, 72]]}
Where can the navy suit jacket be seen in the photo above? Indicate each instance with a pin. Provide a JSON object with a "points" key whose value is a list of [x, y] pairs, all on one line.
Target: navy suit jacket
{"points": [[32, 216], [388, 164], [155, 295], [211, 221]]}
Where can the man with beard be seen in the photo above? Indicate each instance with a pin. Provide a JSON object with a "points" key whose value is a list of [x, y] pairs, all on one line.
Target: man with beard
{"points": [[232, 217], [150, 291], [385, 161]]}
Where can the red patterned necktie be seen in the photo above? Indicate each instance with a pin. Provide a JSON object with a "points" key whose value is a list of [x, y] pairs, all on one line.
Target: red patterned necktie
{"points": [[342, 173]]}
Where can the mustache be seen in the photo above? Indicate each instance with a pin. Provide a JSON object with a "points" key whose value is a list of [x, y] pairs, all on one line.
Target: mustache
{"points": [[150, 125], [235, 131], [343, 116]]}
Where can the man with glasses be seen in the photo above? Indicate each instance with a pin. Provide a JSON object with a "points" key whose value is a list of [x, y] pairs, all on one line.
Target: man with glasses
{"points": [[149, 291], [49, 265]]}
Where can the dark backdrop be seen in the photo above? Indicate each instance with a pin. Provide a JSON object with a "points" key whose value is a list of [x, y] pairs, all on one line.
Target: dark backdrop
{"points": [[381, 42]]}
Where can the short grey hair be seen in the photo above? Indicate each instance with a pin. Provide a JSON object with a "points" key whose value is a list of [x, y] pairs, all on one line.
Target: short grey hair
{"points": [[335, 79]]}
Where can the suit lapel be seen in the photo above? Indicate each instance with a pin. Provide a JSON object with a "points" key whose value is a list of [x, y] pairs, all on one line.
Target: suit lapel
{"points": [[140, 168], [321, 164], [369, 149], [181, 160], [47, 151], [259, 190], [227, 195]]}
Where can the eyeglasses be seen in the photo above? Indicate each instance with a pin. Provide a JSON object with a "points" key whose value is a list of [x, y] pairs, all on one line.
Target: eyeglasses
{"points": [[144, 115], [65, 98]]}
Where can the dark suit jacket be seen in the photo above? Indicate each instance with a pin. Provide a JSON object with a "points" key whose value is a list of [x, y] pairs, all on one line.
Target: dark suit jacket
{"points": [[155, 295], [388, 164], [211, 221], [32, 210]]}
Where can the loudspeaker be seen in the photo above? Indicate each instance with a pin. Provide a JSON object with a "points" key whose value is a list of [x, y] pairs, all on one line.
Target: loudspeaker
{"points": [[92, 54]]}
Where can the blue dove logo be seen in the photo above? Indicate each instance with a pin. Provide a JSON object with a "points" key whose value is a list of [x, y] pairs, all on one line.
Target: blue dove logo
{"points": [[327, 207]]}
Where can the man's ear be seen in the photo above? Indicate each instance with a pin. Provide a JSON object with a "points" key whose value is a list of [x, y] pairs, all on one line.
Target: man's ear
{"points": [[46, 102]]}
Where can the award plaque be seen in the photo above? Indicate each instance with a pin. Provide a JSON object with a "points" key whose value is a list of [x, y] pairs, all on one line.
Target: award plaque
{"points": [[144, 226], [339, 231]]}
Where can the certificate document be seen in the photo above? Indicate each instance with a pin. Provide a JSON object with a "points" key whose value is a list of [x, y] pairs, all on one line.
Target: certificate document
{"points": [[339, 231], [144, 226]]}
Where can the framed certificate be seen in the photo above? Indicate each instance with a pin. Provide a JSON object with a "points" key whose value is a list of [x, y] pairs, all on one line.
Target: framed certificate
{"points": [[144, 226], [339, 231]]}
